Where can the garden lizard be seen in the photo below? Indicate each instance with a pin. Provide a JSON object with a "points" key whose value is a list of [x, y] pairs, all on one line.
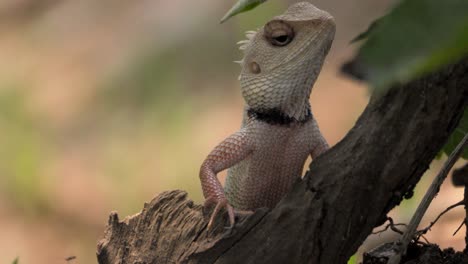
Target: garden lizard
{"points": [[281, 63]]}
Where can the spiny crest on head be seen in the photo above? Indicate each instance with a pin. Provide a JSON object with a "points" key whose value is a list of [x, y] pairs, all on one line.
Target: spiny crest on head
{"points": [[244, 43]]}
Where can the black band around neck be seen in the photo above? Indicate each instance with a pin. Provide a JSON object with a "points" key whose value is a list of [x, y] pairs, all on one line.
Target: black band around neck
{"points": [[275, 116]]}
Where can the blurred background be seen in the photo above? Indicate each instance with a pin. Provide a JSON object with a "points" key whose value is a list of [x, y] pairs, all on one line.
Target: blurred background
{"points": [[104, 104]]}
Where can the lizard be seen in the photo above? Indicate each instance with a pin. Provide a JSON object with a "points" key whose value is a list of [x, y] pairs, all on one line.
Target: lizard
{"points": [[281, 62]]}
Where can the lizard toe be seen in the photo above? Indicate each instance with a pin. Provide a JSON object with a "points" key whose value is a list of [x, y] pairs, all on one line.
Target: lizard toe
{"points": [[220, 204]]}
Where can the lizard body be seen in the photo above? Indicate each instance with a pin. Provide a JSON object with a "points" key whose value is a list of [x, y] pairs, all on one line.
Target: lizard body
{"points": [[281, 63]]}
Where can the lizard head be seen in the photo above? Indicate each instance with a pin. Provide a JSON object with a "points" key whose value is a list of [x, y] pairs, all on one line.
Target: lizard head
{"points": [[283, 59]]}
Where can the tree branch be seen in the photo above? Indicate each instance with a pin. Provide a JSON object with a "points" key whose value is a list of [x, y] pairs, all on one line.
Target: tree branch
{"points": [[426, 201], [328, 214]]}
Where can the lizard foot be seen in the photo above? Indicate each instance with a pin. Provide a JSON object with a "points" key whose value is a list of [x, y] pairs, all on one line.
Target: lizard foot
{"points": [[239, 213], [221, 202]]}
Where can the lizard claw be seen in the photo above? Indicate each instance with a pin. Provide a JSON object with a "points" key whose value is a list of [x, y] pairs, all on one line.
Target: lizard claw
{"points": [[239, 213], [221, 202]]}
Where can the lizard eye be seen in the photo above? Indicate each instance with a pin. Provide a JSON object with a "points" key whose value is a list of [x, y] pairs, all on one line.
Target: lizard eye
{"points": [[278, 33]]}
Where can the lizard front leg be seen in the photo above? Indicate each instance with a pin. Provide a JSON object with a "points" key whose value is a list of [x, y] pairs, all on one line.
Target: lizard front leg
{"points": [[320, 143], [232, 150], [320, 147]]}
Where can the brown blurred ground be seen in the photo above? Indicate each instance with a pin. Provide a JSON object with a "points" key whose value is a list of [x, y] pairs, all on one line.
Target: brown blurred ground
{"points": [[104, 104]]}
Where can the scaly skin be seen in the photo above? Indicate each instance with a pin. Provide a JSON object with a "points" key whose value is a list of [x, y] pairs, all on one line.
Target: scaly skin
{"points": [[281, 63]]}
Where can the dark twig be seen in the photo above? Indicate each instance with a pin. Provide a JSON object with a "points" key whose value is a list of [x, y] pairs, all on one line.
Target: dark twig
{"points": [[460, 178], [425, 230], [458, 228], [426, 201], [423, 243], [392, 227], [70, 259]]}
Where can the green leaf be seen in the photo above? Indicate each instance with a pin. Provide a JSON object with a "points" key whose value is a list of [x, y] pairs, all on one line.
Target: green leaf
{"points": [[16, 261], [457, 136], [365, 34], [240, 7], [415, 38], [352, 260]]}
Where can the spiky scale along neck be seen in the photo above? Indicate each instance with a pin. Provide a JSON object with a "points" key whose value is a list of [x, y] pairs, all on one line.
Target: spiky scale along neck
{"points": [[283, 59]]}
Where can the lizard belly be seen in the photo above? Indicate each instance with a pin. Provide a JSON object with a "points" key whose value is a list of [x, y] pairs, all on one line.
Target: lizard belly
{"points": [[268, 173]]}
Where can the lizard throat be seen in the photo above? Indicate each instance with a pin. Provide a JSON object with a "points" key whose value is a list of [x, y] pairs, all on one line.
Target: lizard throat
{"points": [[276, 117]]}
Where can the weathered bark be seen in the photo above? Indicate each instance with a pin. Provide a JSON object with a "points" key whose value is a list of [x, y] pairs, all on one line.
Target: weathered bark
{"points": [[328, 214], [416, 254]]}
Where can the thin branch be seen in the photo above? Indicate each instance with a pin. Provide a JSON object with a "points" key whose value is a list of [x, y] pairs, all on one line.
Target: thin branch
{"points": [[459, 227], [426, 201], [392, 227], [424, 231], [425, 239]]}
